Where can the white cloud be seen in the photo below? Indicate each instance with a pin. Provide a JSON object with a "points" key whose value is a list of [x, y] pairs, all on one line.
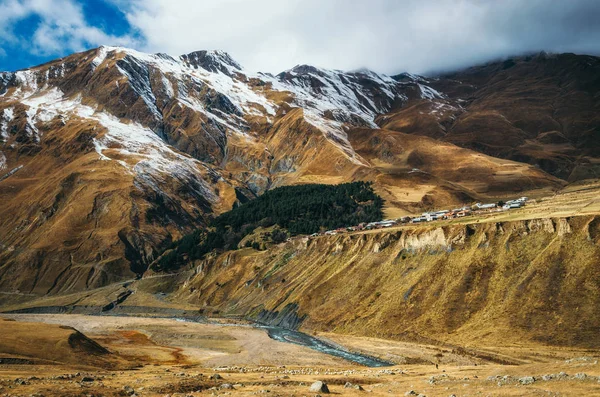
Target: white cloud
{"points": [[10, 11], [386, 35], [62, 27]]}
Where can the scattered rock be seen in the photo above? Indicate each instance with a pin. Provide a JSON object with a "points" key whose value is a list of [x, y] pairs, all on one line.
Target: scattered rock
{"points": [[216, 377], [349, 385], [527, 380], [128, 390], [410, 393], [320, 387], [227, 386]]}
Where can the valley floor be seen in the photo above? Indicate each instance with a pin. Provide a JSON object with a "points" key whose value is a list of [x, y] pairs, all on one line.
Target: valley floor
{"points": [[158, 357], [110, 355]]}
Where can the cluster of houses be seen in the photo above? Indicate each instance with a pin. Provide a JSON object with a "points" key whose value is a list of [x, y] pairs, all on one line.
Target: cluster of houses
{"points": [[362, 226], [464, 211], [443, 214], [432, 216]]}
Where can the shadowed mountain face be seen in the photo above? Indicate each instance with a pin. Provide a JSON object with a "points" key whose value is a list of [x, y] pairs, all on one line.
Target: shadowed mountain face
{"points": [[541, 109], [107, 156]]}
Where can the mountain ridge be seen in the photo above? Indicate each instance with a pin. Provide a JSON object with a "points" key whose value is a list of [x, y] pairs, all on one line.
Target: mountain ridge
{"points": [[108, 155]]}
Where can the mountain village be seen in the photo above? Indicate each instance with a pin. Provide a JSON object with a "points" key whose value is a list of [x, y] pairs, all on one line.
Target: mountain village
{"points": [[441, 215]]}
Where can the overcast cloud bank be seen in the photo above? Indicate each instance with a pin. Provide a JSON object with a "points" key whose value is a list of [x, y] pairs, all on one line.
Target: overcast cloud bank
{"points": [[388, 36]]}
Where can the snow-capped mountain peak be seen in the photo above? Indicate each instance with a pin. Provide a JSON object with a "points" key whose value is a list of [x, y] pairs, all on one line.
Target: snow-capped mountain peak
{"points": [[150, 89], [212, 61]]}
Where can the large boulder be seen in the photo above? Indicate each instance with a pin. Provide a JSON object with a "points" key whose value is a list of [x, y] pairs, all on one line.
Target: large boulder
{"points": [[319, 387]]}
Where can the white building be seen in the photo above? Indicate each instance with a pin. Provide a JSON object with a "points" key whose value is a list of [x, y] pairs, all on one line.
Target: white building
{"points": [[485, 206]]}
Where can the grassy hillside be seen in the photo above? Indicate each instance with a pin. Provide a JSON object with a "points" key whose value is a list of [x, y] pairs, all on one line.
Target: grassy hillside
{"points": [[486, 283]]}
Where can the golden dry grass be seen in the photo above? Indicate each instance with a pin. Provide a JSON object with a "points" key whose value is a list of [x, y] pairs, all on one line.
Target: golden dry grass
{"points": [[174, 357]]}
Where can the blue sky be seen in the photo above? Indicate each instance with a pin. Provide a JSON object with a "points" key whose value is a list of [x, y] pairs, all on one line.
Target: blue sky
{"points": [[34, 32], [388, 36]]}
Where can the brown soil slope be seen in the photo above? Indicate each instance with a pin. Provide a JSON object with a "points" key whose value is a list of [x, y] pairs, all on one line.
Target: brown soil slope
{"points": [[416, 172], [38, 343]]}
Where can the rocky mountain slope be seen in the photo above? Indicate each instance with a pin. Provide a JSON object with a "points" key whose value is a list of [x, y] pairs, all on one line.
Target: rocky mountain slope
{"points": [[540, 109], [108, 155]]}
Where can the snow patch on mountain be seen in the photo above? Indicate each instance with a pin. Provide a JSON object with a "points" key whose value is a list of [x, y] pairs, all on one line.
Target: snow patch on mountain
{"points": [[324, 94], [44, 106], [2, 161], [47, 97], [238, 92], [100, 57], [141, 148], [429, 93], [139, 78], [27, 80], [168, 86], [149, 154], [7, 116], [135, 66], [30, 127], [323, 90], [215, 61], [56, 71]]}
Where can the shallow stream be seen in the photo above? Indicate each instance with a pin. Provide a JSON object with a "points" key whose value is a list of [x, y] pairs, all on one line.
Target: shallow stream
{"points": [[300, 338]]}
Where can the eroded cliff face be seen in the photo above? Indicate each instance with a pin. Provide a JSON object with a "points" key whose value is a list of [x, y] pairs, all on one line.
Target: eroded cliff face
{"points": [[536, 280]]}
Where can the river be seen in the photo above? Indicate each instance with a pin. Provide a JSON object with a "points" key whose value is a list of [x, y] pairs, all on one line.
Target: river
{"points": [[300, 338]]}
